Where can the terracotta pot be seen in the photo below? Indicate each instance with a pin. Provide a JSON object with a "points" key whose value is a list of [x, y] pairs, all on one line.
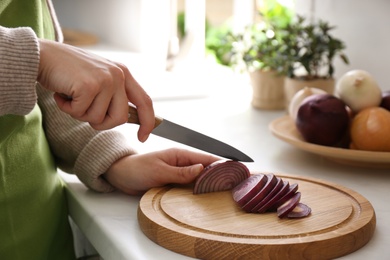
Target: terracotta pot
{"points": [[268, 92], [292, 86]]}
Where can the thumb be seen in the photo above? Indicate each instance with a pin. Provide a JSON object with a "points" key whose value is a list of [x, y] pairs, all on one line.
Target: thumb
{"points": [[188, 174]]}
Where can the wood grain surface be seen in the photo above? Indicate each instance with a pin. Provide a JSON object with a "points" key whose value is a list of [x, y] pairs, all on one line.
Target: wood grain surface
{"points": [[212, 226]]}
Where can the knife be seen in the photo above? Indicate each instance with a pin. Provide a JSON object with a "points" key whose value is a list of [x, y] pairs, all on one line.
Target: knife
{"points": [[181, 134]]}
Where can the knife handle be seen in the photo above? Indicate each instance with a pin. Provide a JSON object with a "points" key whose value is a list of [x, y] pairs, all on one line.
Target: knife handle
{"points": [[133, 117]]}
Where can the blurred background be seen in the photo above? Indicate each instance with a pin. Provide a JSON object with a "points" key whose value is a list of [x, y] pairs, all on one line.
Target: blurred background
{"points": [[168, 42]]}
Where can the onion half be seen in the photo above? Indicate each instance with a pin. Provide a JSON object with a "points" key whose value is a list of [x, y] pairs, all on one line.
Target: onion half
{"points": [[220, 176]]}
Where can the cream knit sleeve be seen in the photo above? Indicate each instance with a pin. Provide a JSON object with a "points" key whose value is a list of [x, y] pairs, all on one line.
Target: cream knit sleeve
{"points": [[19, 62], [78, 148]]}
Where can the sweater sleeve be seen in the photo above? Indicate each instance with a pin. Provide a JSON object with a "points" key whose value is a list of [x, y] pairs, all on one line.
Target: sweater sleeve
{"points": [[78, 148], [19, 62]]}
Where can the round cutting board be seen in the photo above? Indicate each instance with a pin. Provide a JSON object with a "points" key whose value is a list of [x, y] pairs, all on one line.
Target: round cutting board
{"points": [[212, 226]]}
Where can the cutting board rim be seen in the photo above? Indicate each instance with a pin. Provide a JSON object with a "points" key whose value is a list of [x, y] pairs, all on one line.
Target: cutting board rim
{"points": [[167, 231]]}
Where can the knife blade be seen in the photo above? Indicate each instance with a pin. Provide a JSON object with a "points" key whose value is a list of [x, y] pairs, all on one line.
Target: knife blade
{"points": [[181, 134]]}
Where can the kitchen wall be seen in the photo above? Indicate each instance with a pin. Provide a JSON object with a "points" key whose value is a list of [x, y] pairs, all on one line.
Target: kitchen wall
{"points": [[143, 26], [121, 23], [138, 25], [364, 26]]}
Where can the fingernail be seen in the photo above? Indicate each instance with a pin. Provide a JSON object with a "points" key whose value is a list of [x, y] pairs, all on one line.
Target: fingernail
{"points": [[196, 169], [143, 138]]}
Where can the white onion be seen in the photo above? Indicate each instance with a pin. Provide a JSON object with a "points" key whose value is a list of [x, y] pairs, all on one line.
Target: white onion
{"points": [[358, 89]]}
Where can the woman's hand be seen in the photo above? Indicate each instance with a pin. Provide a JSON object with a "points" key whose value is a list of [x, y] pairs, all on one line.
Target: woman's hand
{"points": [[93, 89], [137, 173]]}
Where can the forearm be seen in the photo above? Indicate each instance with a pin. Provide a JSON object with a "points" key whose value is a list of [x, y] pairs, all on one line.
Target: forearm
{"points": [[78, 148]]}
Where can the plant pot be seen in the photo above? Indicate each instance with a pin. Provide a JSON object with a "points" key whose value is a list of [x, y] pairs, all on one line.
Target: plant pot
{"points": [[292, 86], [268, 92]]}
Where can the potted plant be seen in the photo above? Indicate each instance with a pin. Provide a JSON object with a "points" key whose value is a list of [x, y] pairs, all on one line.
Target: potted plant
{"points": [[308, 56], [259, 55], [256, 51]]}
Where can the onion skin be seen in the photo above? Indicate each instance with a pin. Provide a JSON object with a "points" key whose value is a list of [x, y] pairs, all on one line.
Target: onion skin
{"points": [[220, 176]]}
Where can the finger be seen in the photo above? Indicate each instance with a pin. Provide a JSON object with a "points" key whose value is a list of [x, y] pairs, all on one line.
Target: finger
{"points": [[76, 104], [110, 103], [103, 87], [183, 174], [61, 101], [97, 112], [184, 157], [72, 106], [137, 96], [116, 114]]}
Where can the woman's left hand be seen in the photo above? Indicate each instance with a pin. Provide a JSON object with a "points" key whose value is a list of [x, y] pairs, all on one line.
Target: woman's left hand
{"points": [[137, 173]]}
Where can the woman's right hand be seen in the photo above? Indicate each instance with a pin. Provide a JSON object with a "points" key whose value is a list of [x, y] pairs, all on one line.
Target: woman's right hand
{"points": [[93, 89]]}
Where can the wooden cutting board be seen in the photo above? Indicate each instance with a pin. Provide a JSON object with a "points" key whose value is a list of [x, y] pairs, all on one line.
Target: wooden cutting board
{"points": [[212, 226]]}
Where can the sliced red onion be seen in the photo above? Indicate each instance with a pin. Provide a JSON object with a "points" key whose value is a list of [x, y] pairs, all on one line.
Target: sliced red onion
{"points": [[248, 188], [300, 211], [270, 203], [272, 180], [284, 209], [276, 188], [221, 176], [291, 191]]}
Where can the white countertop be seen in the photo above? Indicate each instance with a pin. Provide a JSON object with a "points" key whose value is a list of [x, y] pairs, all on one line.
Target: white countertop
{"points": [[109, 221]]}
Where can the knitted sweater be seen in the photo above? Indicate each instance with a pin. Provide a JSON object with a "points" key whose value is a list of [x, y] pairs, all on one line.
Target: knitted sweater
{"points": [[77, 147]]}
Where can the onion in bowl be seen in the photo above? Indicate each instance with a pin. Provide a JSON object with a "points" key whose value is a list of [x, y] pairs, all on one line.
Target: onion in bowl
{"points": [[297, 99], [359, 90]]}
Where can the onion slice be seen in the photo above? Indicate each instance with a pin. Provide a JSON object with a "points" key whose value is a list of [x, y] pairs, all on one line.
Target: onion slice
{"points": [[220, 176], [276, 189], [300, 211], [247, 189], [289, 205], [270, 184], [290, 193]]}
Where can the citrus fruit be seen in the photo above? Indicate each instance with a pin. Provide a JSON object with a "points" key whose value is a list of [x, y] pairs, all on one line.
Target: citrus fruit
{"points": [[370, 130]]}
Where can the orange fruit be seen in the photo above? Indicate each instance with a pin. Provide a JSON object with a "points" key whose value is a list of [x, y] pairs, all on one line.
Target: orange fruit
{"points": [[370, 130]]}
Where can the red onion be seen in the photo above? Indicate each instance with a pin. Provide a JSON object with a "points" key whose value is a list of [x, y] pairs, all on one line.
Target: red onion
{"points": [[291, 191], [266, 192], [220, 176], [289, 205], [268, 186], [277, 187], [256, 193], [270, 202], [248, 188], [301, 210], [385, 103]]}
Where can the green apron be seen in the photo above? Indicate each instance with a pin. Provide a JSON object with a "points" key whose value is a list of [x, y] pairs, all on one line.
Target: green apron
{"points": [[33, 210]]}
